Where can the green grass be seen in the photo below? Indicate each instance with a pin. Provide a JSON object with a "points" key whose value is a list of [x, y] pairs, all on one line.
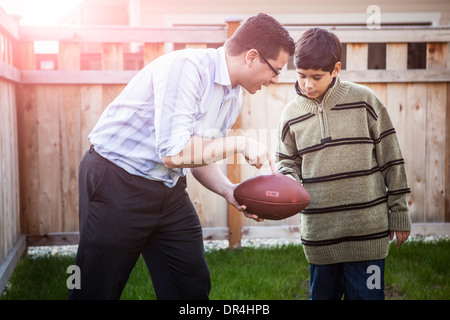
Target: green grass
{"points": [[415, 271], [419, 271]]}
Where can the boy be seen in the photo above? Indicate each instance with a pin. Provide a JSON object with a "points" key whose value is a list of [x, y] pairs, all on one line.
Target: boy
{"points": [[337, 139]]}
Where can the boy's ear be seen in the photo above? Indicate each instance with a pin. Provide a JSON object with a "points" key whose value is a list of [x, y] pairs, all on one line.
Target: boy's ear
{"points": [[336, 70]]}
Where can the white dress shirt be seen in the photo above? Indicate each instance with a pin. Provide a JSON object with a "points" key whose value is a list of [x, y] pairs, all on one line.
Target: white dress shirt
{"points": [[181, 94]]}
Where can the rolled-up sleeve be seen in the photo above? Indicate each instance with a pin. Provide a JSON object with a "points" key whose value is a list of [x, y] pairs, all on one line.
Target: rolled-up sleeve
{"points": [[177, 96]]}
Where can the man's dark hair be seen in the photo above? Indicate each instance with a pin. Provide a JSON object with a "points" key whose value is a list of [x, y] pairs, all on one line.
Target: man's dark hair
{"points": [[263, 33], [317, 49]]}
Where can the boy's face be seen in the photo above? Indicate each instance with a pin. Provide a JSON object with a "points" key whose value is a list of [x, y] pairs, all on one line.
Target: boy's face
{"points": [[314, 83]]}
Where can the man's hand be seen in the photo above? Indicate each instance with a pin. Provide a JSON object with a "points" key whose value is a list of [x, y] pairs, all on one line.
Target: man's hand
{"points": [[401, 236], [231, 200], [257, 154], [200, 152], [212, 178]]}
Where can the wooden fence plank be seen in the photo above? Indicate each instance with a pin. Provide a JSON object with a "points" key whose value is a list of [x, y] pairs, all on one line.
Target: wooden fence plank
{"points": [[437, 56], [27, 57], [28, 144], [386, 34], [436, 134], [49, 193], [9, 189], [396, 56], [397, 59], [208, 34], [4, 187], [234, 171], [112, 56], [14, 171], [211, 208], [415, 150], [357, 55], [446, 174], [196, 45], [8, 72], [109, 93], [70, 128], [435, 161], [124, 34], [396, 103], [380, 90], [77, 77], [8, 25], [91, 110], [69, 56], [288, 77], [28, 157], [153, 51]]}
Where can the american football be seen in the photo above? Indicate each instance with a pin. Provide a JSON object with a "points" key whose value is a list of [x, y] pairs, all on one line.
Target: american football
{"points": [[272, 197]]}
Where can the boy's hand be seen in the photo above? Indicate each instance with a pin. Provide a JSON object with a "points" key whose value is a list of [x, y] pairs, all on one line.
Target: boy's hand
{"points": [[401, 236]]}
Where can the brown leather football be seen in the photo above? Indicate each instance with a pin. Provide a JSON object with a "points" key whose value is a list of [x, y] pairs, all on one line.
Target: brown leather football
{"points": [[272, 197]]}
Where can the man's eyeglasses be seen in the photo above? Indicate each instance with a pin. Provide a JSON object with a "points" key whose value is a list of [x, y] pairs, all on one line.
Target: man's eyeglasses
{"points": [[276, 72]]}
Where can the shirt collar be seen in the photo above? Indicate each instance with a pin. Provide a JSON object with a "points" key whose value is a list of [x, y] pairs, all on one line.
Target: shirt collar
{"points": [[221, 76]]}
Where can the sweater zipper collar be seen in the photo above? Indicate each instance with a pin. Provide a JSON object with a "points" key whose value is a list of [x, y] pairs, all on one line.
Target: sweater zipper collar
{"points": [[300, 93], [323, 121]]}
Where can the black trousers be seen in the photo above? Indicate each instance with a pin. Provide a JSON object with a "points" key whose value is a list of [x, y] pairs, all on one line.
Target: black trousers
{"points": [[123, 216]]}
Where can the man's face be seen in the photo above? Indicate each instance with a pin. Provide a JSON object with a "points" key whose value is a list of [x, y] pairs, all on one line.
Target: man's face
{"points": [[314, 83], [261, 73]]}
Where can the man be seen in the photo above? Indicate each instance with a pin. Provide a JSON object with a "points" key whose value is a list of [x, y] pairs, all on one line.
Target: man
{"points": [[173, 115]]}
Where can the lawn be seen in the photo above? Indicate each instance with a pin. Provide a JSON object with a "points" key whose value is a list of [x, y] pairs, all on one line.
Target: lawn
{"points": [[417, 270]]}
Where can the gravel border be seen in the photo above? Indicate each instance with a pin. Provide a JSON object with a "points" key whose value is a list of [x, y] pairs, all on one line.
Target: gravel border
{"points": [[212, 245]]}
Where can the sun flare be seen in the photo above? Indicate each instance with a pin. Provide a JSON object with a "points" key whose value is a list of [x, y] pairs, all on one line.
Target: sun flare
{"points": [[39, 12]]}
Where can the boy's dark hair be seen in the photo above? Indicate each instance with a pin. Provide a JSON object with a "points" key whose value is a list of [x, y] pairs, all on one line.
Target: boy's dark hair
{"points": [[317, 49], [263, 33]]}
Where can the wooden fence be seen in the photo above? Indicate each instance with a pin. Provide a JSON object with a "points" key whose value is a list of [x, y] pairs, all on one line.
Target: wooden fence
{"points": [[46, 116], [12, 242]]}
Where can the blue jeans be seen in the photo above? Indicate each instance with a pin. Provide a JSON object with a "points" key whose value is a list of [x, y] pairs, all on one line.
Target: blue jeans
{"points": [[362, 280]]}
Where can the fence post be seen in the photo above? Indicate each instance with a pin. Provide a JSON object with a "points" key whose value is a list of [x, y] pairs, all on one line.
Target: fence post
{"points": [[234, 170], [152, 51], [112, 56]]}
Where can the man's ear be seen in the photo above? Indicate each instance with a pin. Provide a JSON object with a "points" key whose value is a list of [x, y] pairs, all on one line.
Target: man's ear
{"points": [[336, 70], [251, 55]]}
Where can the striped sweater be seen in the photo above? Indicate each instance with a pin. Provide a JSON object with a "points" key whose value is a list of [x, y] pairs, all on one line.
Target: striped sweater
{"points": [[345, 152]]}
